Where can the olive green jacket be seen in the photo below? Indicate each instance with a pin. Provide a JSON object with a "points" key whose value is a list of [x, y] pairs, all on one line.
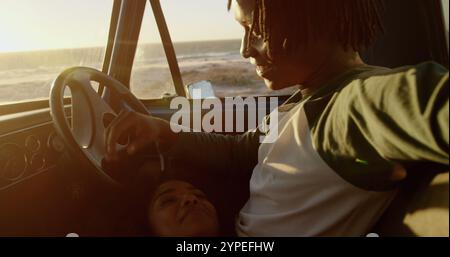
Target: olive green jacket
{"points": [[362, 123]]}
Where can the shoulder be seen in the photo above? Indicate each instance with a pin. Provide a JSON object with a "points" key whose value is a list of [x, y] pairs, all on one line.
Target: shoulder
{"points": [[379, 83], [426, 72]]}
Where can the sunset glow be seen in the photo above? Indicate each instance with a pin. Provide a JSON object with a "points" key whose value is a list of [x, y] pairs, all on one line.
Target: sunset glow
{"points": [[54, 24]]}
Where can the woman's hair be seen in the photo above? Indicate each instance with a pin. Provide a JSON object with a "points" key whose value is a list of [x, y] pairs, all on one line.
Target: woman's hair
{"points": [[289, 24]]}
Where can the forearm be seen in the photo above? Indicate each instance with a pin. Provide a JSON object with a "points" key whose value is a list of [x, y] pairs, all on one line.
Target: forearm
{"points": [[219, 152]]}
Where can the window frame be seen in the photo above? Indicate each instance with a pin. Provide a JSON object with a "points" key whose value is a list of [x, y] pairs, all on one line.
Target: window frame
{"points": [[166, 41]]}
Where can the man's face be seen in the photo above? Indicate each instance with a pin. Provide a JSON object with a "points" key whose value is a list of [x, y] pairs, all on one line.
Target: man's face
{"points": [[285, 70], [179, 209]]}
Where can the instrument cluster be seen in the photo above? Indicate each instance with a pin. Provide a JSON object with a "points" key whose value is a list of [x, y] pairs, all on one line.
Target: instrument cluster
{"points": [[24, 154]]}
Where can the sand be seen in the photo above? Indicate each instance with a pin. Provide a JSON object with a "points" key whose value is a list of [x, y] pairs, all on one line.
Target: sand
{"points": [[230, 76]]}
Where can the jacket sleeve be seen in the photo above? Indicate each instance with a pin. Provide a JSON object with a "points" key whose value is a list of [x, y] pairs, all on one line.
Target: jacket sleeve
{"points": [[218, 152], [404, 115]]}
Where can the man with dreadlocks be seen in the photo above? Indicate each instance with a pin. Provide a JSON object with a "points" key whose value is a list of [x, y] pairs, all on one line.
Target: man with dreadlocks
{"points": [[344, 137]]}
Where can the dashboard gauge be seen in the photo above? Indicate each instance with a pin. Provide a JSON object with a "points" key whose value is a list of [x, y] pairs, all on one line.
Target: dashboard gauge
{"points": [[32, 144], [55, 143], [37, 162], [13, 162]]}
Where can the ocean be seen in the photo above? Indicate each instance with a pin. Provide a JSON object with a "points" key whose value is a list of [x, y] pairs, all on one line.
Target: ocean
{"points": [[28, 75]]}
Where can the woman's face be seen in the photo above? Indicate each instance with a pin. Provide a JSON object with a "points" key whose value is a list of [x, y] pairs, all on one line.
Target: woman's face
{"points": [[285, 70], [179, 209]]}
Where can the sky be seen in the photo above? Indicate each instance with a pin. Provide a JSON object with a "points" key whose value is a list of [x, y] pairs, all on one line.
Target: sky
{"points": [[49, 24]]}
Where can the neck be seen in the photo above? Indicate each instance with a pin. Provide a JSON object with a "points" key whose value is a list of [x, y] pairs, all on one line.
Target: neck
{"points": [[331, 67]]}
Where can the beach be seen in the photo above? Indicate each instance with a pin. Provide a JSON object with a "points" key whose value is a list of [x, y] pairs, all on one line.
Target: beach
{"points": [[25, 76]]}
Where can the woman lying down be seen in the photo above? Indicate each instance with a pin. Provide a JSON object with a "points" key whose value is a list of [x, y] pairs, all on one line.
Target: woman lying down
{"points": [[174, 202], [179, 209]]}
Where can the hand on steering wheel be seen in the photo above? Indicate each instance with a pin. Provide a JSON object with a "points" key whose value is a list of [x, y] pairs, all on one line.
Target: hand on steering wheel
{"points": [[92, 118]]}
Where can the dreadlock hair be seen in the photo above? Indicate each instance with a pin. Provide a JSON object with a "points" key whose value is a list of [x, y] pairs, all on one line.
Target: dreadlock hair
{"points": [[289, 24]]}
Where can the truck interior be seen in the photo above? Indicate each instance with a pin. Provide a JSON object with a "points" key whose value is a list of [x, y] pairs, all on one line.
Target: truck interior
{"points": [[49, 187]]}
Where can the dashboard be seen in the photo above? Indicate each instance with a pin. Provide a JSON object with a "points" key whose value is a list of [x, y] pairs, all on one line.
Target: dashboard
{"points": [[28, 152], [46, 192]]}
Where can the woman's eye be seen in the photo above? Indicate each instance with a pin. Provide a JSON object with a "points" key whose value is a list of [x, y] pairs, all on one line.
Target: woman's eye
{"points": [[200, 195], [167, 201]]}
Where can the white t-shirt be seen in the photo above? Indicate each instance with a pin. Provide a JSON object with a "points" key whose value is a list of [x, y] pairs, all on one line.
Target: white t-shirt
{"points": [[293, 192]]}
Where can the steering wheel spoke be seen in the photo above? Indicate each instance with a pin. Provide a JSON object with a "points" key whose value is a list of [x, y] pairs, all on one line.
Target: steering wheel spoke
{"points": [[88, 114]]}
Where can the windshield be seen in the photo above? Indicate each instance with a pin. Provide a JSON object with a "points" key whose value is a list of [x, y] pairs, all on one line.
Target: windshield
{"points": [[207, 45], [41, 38]]}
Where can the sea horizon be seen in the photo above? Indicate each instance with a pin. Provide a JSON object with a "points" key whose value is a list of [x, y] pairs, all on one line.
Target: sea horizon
{"points": [[98, 46], [93, 56], [29, 75]]}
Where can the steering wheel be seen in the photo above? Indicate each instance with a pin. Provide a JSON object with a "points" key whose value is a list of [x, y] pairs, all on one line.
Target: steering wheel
{"points": [[90, 114]]}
